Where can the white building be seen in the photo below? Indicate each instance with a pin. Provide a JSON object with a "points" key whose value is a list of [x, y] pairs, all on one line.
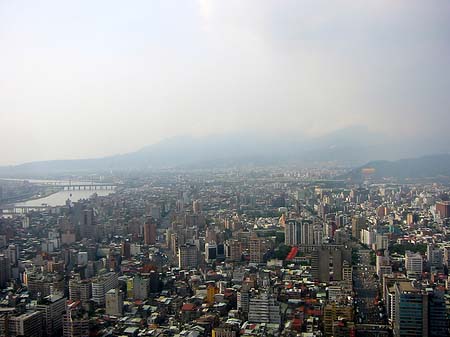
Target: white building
{"points": [[114, 302], [264, 308], [413, 264], [101, 285]]}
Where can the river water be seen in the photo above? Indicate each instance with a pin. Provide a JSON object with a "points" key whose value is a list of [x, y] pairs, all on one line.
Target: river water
{"points": [[59, 198]]}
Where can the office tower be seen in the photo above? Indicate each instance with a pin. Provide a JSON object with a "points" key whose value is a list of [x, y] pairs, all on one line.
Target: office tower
{"points": [[381, 241], [383, 265], [13, 254], [358, 223], [187, 256], [263, 308], [197, 206], [52, 307], [210, 251], [75, 322], [347, 273], [114, 302], [27, 324], [418, 313], [243, 299], [340, 237], [320, 262], [125, 250], [150, 232], [413, 264], [221, 251], [292, 233], [367, 237], [256, 248], [443, 209], [307, 233], [141, 287], [80, 290], [101, 285], [435, 258], [234, 251], [317, 235], [179, 206], [87, 226], [5, 270]]}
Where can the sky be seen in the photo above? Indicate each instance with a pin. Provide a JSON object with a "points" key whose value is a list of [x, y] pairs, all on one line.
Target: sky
{"points": [[83, 79]]}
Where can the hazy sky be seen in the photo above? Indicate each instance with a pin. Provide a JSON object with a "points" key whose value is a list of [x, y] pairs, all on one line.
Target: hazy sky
{"points": [[93, 78]]}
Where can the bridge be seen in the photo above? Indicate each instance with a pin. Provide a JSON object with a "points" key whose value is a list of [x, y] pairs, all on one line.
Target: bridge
{"points": [[87, 187], [70, 185]]}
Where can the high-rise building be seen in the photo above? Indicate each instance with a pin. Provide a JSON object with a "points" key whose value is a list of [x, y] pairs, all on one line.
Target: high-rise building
{"points": [[210, 251], [263, 308], [114, 302], [27, 324], [435, 258], [197, 206], [358, 223], [307, 233], [5, 270], [87, 227], [80, 290], [413, 264], [419, 313], [150, 232], [101, 285], [187, 256], [292, 233], [52, 307], [243, 299], [256, 248], [234, 251], [443, 209], [141, 287], [125, 250], [75, 322]]}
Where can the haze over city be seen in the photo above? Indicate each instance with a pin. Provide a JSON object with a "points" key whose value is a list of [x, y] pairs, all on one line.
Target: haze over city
{"points": [[225, 168], [88, 79]]}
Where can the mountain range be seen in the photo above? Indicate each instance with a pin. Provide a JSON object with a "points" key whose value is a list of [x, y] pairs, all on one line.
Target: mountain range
{"points": [[350, 147]]}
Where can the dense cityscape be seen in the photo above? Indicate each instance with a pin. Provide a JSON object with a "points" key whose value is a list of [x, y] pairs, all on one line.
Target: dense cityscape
{"points": [[227, 253], [225, 168]]}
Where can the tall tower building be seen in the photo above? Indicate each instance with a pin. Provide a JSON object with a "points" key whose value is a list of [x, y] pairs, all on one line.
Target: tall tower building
{"points": [[358, 223], [256, 248], [419, 313], [150, 232], [114, 302], [75, 322], [53, 307], [101, 285], [187, 256], [292, 233], [197, 206], [5, 270], [413, 264]]}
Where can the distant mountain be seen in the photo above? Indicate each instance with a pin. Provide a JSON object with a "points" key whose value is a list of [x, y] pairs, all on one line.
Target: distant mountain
{"points": [[351, 147], [432, 166]]}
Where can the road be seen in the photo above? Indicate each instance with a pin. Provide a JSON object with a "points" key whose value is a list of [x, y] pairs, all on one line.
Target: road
{"points": [[366, 289]]}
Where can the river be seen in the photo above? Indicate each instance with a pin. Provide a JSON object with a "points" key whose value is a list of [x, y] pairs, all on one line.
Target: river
{"points": [[59, 198]]}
